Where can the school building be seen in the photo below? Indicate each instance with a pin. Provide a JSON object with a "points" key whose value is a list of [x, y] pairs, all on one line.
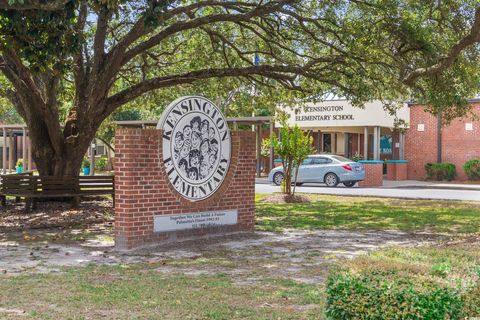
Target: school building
{"points": [[371, 133]]}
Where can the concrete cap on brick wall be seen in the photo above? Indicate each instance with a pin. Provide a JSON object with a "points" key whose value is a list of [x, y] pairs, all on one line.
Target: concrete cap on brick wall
{"points": [[370, 161]]}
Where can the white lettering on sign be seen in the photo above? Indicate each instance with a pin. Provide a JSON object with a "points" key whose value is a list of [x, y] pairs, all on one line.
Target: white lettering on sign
{"points": [[319, 114], [196, 146], [342, 113], [174, 222]]}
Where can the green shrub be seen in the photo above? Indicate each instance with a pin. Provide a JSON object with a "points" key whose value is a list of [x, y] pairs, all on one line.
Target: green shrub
{"points": [[85, 163], [388, 295], [101, 163], [440, 171], [472, 169]]}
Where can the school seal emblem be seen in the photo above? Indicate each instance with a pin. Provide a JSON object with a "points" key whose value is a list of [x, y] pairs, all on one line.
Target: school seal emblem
{"points": [[196, 146]]}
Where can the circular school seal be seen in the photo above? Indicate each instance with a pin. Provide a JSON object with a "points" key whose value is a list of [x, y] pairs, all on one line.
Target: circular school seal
{"points": [[196, 146]]}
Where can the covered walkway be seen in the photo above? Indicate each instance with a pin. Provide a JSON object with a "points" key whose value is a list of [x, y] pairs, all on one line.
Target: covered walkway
{"points": [[14, 145]]}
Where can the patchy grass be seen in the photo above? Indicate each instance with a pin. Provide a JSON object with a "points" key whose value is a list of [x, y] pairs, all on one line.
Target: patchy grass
{"points": [[452, 263], [363, 213], [432, 282], [141, 292]]}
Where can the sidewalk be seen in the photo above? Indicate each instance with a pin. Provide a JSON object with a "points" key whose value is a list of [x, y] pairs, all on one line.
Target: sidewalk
{"points": [[407, 184]]}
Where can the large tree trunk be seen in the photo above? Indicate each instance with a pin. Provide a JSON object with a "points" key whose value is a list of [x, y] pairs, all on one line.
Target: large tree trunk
{"points": [[59, 152], [64, 162]]}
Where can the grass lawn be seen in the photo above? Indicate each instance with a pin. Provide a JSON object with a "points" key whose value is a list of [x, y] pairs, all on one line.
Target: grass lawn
{"points": [[363, 213], [139, 291], [150, 291]]}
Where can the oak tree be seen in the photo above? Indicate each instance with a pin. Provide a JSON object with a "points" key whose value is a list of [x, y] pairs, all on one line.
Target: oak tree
{"points": [[70, 63]]}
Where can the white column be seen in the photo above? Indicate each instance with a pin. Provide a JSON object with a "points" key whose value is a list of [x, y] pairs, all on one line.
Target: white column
{"points": [[333, 142], [272, 126], [259, 149], [376, 151], [93, 146], [11, 165], [4, 151], [365, 143], [402, 146], [358, 143], [24, 148], [29, 152]]}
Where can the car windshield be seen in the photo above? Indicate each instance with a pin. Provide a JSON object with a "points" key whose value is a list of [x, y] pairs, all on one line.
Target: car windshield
{"points": [[341, 159]]}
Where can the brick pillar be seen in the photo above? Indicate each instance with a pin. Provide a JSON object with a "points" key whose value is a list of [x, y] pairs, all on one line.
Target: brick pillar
{"points": [[397, 170], [373, 174]]}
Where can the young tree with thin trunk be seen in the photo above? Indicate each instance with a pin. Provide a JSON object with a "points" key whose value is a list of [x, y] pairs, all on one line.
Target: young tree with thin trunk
{"points": [[70, 64], [293, 147]]}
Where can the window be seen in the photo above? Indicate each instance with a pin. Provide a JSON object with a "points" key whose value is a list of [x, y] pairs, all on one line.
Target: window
{"points": [[341, 159], [327, 143], [321, 160], [100, 150], [307, 161]]}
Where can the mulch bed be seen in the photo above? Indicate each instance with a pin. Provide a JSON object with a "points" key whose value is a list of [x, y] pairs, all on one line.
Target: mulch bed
{"points": [[55, 214], [283, 198]]}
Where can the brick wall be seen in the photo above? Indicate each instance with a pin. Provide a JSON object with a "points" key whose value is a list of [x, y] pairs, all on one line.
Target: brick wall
{"points": [[142, 189], [373, 175], [458, 145], [397, 171]]}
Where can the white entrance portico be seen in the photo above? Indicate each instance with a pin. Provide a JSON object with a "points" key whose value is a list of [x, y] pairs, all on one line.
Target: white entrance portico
{"points": [[340, 128]]}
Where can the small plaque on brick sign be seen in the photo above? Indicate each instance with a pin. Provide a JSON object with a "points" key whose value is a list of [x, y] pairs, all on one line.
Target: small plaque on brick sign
{"points": [[197, 220]]}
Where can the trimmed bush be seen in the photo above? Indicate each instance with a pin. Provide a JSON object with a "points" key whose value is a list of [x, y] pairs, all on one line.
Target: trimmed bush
{"points": [[440, 171], [388, 295], [101, 163], [472, 169]]}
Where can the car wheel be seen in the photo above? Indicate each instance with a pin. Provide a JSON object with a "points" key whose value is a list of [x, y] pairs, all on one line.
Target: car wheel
{"points": [[349, 184], [278, 178], [299, 183], [331, 180]]}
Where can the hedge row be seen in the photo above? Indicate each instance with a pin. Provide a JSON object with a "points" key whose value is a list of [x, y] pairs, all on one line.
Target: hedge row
{"points": [[472, 169], [440, 171], [447, 171], [388, 295]]}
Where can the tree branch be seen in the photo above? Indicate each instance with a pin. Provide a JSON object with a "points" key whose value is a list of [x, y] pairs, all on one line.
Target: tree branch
{"points": [[282, 73], [52, 5], [446, 61]]}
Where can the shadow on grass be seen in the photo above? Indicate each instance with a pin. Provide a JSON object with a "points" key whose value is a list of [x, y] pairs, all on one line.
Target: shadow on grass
{"points": [[327, 212]]}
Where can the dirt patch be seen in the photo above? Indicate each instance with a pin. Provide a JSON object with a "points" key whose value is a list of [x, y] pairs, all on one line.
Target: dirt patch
{"points": [[55, 215], [300, 255], [285, 198]]}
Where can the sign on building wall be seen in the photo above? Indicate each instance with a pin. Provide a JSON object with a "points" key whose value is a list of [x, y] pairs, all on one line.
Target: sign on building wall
{"points": [[341, 113], [196, 146], [386, 144]]}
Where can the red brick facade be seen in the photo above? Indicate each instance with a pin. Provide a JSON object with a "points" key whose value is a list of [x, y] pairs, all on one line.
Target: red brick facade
{"points": [[397, 171], [458, 144], [142, 189], [373, 175]]}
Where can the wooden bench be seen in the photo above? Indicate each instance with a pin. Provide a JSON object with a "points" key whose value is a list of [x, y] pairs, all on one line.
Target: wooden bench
{"points": [[3, 197], [34, 187]]}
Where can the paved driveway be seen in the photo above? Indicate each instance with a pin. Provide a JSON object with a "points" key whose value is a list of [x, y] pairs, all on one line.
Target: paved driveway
{"points": [[412, 192]]}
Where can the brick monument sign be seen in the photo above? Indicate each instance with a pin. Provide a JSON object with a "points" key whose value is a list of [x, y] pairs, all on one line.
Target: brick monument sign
{"points": [[190, 178]]}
